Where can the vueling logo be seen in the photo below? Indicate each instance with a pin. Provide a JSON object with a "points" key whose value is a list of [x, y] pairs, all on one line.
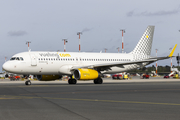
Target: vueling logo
{"points": [[65, 55]]}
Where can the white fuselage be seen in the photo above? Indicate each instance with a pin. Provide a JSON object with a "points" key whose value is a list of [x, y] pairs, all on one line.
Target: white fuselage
{"points": [[60, 63], [63, 63]]}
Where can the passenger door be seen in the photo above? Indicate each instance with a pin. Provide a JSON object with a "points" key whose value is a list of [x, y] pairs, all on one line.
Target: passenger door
{"points": [[33, 59]]}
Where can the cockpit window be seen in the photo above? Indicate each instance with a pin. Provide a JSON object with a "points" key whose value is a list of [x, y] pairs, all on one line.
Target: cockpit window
{"points": [[17, 58], [13, 58], [21, 59]]}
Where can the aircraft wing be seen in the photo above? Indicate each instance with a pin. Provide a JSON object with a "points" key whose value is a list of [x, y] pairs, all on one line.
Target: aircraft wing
{"points": [[120, 64]]}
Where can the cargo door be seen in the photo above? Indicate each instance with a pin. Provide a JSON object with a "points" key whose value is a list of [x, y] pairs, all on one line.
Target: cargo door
{"points": [[33, 59]]}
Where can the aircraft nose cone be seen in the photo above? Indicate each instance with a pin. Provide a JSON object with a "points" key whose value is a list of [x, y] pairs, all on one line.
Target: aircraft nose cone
{"points": [[6, 66]]}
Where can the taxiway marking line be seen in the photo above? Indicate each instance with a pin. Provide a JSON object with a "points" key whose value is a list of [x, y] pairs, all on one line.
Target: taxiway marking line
{"points": [[89, 92], [91, 100]]}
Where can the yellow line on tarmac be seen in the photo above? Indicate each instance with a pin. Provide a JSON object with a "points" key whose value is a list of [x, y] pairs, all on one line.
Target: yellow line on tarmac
{"points": [[89, 92], [113, 101], [9, 98], [16, 97], [91, 100]]}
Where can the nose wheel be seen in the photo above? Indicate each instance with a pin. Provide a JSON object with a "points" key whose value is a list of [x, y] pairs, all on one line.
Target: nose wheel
{"points": [[28, 82]]}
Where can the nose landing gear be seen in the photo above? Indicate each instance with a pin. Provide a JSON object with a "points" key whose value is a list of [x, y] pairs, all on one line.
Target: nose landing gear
{"points": [[28, 82]]}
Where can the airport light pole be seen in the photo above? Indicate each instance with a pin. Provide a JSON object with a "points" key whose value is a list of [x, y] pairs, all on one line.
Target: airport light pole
{"points": [[118, 49], [79, 33], [171, 59], [28, 44], [5, 61], [105, 49], [177, 57], [156, 61], [123, 31], [65, 41]]}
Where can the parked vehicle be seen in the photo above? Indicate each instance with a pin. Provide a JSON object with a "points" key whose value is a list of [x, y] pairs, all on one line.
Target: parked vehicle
{"points": [[166, 76], [116, 76], [145, 76], [13, 78]]}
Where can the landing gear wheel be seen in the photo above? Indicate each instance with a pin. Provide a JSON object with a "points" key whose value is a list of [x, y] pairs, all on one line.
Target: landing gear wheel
{"points": [[28, 82], [72, 81], [98, 81]]}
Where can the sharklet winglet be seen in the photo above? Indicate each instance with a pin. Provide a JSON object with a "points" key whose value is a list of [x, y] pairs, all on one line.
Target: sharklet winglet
{"points": [[172, 51]]}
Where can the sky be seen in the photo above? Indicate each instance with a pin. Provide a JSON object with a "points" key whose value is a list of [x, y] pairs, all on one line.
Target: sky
{"points": [[46, 22]]}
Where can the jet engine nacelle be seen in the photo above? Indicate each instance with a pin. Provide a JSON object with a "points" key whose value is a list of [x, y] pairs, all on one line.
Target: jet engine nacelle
{"points": [[85, 74], [48, 77]]}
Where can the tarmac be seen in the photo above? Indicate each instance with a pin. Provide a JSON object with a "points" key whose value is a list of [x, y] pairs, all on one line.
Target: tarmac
{"points": [[141, 99], [135, 79]]}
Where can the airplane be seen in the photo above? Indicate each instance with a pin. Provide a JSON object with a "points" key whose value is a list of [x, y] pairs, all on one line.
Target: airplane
{"points": [[84, 66]]}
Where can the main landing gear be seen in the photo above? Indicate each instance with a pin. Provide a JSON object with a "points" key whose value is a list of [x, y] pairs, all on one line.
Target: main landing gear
{"points": [[98, 80], [72, 81], [28, 82]]}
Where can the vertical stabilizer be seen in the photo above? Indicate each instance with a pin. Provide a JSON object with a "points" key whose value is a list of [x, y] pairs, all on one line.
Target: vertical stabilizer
{"points": [[143, 48]]}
